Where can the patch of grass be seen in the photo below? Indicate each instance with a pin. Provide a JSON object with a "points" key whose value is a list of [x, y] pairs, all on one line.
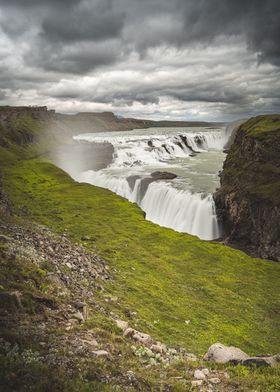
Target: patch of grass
{"points": [[261, 126], [164, 276]]}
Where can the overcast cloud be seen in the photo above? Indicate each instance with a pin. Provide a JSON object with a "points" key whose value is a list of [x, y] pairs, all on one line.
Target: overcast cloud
{"points": [[185, 59]]}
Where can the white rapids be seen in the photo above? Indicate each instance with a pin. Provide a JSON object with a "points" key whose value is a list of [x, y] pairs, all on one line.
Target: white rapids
{"points": [[184, 203]]}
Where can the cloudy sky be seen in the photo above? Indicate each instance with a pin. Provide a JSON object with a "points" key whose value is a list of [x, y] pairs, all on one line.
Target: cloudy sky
{"points": [[185, 59]]}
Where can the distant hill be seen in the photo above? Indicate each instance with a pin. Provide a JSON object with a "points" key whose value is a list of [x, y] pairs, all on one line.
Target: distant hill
{"points": [[89, 121]]}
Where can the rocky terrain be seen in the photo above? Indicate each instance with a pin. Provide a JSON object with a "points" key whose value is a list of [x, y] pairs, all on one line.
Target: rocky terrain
{"points": [[248, 202]]}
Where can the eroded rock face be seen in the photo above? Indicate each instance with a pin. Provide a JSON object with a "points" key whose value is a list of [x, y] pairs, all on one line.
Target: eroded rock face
{"points": [[248, 202]]}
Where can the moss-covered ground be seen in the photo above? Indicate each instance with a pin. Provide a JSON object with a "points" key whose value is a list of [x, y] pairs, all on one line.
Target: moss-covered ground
{"points": [[183, 291]]}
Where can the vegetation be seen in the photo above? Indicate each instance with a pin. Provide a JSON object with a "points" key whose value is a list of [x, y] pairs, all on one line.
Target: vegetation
{"points": [[183, 291], [255, 169]]}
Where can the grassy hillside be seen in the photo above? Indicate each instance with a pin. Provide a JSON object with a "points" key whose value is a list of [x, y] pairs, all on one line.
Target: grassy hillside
{"points": [[183, 291], [167, 277]]}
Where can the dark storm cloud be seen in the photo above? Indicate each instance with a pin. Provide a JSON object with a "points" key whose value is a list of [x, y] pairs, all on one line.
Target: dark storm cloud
{"points": [[88, 22], [154, 22], [54, 40]]}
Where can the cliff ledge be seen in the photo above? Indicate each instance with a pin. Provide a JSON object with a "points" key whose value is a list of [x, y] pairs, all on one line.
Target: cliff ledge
{"points": [[248, 201]]}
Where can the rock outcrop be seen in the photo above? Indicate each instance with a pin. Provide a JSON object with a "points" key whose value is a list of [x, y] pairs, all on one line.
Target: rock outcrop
{"points": [[229, 354], [248, 202]]}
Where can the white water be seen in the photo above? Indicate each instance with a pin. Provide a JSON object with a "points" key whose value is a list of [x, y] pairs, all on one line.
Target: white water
{"points": [[185, 203]]}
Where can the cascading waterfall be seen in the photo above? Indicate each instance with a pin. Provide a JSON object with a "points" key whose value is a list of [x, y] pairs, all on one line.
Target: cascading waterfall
{"points": [[169, 203], [181, 211]]}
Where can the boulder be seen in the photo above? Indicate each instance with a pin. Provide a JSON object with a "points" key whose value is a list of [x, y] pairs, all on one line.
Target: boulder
{"points": [[123, 325], [223, 354], [261, 361], [140, 337], [199, 375]]}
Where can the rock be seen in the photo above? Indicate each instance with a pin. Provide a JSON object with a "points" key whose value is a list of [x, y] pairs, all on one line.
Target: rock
{"points": [[214, 380], [260, 361], [100, 353], [90, 342], [82, 308], [78, 316], [199, 375], [197, 383], [158, 348], [123, 325], [223, 354], [158, 175], [205, 371], [140, 337], [250, 220], [190, 357]]}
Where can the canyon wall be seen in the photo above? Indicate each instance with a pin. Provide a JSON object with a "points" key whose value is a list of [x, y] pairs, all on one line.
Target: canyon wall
{"points": [[248, 201]]}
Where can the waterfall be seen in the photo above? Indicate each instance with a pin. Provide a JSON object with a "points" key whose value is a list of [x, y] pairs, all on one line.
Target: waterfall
{"points": [[164, 202], [130, 150], [181, 211]]}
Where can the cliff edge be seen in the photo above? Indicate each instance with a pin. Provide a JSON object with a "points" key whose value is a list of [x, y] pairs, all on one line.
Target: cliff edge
{"points": [[248, 201]]}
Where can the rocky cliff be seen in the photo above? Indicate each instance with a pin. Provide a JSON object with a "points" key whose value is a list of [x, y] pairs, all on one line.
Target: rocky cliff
{"points": [[248, 201]]}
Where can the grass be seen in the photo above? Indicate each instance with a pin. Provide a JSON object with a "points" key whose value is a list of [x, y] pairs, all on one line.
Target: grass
{"points": [[254, 170], [165, 276], [161, 278], [261, 126]]}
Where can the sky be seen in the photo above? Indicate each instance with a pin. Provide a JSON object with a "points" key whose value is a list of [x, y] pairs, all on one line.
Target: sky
{"points": [[159, 59]]}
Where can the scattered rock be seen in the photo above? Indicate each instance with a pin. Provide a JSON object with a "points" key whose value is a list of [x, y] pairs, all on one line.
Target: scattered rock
{"points": [[190, 357], [197, 383], [100, 353], [158, 348], [223, 354], [199, 375], [78, 316], [123, 325], [214, 380], [140, 337]]}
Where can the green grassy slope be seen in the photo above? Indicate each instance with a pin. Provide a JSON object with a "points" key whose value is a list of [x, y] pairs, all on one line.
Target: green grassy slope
{"points": [[164, 276]]}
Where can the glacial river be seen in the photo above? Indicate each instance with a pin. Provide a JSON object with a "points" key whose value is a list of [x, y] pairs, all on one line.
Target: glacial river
{"points": [[195, 155]]}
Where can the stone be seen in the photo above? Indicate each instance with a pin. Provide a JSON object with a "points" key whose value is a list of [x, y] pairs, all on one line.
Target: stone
{"points": [[123, 325], [223, 354], [190, 357], [158, 348], [90, 342], [197, 383], [199, 375], [260, 361], [100, 353], [205, 371], [78, 316], [214, 380], [140, 337]]}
